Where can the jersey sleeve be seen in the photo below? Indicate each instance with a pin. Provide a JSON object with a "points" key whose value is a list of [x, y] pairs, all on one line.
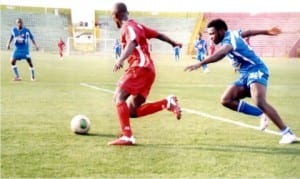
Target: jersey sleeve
{"points": [[12, 33], [232, 39], [30, 34]]}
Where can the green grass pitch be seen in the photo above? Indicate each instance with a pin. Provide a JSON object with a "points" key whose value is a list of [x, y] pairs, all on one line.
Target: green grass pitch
{"points": [[36, 139]]}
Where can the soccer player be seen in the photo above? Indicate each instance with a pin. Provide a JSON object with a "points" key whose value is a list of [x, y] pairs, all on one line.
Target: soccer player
{"points": [[117, 48], [21, 35], [61, 45], [134, 86], [201, 48], [253, 75], [177, 53]]}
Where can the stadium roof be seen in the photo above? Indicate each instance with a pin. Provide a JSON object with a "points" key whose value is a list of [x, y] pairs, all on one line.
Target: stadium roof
{"points": [[255, 6]]}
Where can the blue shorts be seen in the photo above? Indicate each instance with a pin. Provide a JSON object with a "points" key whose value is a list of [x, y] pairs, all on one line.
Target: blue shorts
{"points": [[20, 55], [200, 57], [256, 74]]}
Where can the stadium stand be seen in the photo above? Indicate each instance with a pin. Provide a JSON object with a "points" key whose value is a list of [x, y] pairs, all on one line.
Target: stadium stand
{"points": [[47, 28], [177, 28], [283, 45]]}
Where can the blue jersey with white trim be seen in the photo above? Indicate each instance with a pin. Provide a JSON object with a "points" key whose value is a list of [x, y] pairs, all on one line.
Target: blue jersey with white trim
{"points": [[200, 46], [242, 56], [21, 37]]}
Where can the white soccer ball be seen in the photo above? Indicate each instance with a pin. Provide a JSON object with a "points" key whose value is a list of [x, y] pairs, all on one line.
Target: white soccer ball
{"points": [[80, 124]]}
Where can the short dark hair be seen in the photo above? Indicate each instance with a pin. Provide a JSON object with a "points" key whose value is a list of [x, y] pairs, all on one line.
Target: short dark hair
{"points": [[218, 24], [121, 7]]}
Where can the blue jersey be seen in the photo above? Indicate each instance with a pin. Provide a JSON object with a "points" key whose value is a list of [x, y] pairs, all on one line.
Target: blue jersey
{"points": [[201, 47], [21, 37], [251, 68], [176, 50], [117, 47], [242, 57]]}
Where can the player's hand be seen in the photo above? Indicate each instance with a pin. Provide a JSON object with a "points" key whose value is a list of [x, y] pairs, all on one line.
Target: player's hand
{"points": [[274, 31], [37, 48], [118, 65], [178, 45], [191, 68], [8, 47]]}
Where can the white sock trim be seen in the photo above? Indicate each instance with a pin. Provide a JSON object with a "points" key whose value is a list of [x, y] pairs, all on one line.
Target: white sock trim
{"points": [[240, 105], [286, 130]]}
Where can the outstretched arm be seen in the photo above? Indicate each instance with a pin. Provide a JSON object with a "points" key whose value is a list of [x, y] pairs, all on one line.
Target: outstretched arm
{"points": [[218, 55], [165, 38], [272, 31]]}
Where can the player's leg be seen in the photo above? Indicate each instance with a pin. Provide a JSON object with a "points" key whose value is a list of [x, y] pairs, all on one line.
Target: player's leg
{"points": [[60, 51], [204, 67], [15, 69], [258, 94], [31, 68], [123, 116], [231, 99], [137, 107]]}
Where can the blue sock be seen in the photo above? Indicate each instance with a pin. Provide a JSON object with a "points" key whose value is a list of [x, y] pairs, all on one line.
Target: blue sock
{"points": [[15, 70], [249, 109]]}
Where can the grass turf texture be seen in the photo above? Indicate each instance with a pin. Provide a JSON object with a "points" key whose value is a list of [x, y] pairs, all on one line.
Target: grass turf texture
{"points": [[36, 140]]}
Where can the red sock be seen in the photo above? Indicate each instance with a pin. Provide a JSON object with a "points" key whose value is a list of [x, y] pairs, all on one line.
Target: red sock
{"points": [[150, 108], [123, 115]]}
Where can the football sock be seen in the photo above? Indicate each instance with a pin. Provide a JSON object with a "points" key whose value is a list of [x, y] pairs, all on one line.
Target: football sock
{"points": [[32, 72], [150, 108], [286, 130], [15, 70], [123, 115], [249, 109]]}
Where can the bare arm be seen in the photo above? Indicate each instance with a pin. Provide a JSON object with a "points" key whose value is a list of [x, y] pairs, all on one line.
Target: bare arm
{"points": [[165, 38], [125, 54], [35, 44], [9, 42], [272, 31], [217, 56]]}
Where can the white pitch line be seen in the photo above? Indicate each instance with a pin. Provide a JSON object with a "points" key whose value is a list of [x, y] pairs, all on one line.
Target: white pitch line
{"points": [[199, 113]]}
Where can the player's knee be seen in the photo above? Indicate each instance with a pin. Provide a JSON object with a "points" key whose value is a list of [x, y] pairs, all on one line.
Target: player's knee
{"points": [[225, 101], [13, 62]]}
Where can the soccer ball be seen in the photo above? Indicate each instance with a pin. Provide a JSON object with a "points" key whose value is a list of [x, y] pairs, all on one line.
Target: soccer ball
{"points": [[80, 124]]}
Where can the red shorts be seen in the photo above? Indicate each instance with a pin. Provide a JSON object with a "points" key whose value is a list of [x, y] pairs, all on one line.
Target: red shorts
{"points": [[137, 80]]}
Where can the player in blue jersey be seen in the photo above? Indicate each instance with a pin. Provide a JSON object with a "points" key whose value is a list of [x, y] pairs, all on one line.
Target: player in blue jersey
{"points": [[201, 49], [22, 35], [177, 53], [253, 75], [117, 48]]}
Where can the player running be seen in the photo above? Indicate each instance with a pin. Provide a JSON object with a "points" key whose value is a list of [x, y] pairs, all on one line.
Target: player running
{"points": [[134, 86], [253, 75], [201, 48], [61, 46], [117, 48], [21, 35]]}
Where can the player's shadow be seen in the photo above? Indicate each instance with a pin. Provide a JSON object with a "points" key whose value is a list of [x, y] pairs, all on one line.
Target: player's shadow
{"points": [[285, 150], [97, 135]]}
